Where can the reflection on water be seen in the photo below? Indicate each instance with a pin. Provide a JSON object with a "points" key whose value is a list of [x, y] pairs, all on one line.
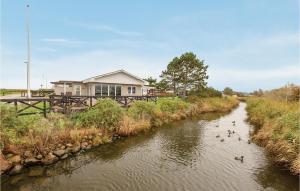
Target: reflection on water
{"points": [[185, 155]]}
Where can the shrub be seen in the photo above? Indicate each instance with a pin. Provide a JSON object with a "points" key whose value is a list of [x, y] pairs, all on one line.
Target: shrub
{"points": [[172, 105], [206, 92], [106, 114], [142, 110], [11, 126]]}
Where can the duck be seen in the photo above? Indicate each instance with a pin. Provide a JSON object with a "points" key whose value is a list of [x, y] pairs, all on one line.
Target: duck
{"points": [[240, 139], [242, 158], [217, 136], [217, 125], [233, 132], [233, 121], [229, 135], [239, 158], [222, 140], [249, 141]]}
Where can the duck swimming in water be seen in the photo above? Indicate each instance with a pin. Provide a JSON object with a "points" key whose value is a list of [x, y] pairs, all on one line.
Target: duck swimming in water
{"points": [[222, 140], [217, 136], [240, 139], [239, 158], [249, 141]]}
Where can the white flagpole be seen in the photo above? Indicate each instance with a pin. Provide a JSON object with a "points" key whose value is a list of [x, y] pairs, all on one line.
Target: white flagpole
{"points": [[28, 52]]}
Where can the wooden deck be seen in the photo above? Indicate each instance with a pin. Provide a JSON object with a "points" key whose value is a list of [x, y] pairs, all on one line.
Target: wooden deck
{"points": [[66, 104]]}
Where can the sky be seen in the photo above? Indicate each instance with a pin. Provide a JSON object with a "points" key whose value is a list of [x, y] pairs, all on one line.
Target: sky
{"points": [[247, 44]]}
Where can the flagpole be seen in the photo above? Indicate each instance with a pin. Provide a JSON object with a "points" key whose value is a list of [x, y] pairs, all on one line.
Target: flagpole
{"points": [[28, 52]]}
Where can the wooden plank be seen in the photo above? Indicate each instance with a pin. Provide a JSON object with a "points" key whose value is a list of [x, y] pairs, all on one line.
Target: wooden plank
{"points": [[29, 106]]}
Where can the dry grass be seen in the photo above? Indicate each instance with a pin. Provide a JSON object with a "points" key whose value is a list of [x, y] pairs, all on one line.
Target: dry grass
{"points": [[129, 126], [278, 129]]}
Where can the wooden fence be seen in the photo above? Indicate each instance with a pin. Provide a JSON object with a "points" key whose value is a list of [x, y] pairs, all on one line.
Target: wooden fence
{"points": [[66, 104]]}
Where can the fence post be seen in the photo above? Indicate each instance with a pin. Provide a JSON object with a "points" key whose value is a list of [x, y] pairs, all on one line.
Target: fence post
{"points": [[16, 106], [125, 101], [91, 101], [45, 109]]}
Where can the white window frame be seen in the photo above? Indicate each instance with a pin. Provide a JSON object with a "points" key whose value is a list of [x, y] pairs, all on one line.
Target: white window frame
{"points": [[131, 88], [76, 86], [129, 92]]}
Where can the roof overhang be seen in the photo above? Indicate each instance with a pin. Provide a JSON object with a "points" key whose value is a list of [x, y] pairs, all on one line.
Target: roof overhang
{"points": [[65, 82], [92, 79]]}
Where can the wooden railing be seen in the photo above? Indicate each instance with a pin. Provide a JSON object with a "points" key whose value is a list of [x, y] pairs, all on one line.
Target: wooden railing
{"points": [[66, 104]]}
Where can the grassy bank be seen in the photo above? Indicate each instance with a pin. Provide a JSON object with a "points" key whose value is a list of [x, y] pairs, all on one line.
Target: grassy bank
{"points": [[30, 140], [277, 125]]}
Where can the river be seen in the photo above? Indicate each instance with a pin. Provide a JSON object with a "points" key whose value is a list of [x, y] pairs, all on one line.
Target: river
{"points": [[185, 155]]}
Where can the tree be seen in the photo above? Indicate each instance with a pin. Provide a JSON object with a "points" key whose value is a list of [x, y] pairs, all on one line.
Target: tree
{"points": [[206, 92], [151, 81], [228, 91], [162, 85], [258, 92], [187, 71], [170, 75]]}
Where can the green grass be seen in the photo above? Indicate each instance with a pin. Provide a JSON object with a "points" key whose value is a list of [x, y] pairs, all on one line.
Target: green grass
{"points": [[10, 91]]}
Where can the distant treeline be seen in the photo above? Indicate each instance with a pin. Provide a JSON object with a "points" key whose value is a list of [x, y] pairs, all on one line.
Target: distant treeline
{"points": [[290, 92]]}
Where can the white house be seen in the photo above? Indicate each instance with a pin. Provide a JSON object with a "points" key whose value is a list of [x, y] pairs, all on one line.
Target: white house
{"points": [[118, 83]]}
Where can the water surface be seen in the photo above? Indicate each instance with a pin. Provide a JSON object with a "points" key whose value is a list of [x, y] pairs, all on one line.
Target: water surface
{"points": [[185, 155]]}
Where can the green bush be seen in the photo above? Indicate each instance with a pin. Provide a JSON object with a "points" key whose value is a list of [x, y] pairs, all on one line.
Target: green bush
{"points": [[172, 105], [206, 92], [142, 109], [106, 113]]}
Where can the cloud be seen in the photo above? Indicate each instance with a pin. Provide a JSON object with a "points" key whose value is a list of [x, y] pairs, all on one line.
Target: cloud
{"points": [[106, 28], [283, 73], [265, 52], [45, 49], [63, 42], [84, 65], [250, 79]]}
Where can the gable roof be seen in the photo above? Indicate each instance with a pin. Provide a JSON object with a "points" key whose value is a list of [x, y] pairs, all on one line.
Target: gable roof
{"points": [[112, 73]]}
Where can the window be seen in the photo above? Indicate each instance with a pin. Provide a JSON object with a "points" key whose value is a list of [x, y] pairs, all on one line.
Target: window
{"points": [[104, 90], [112, 90], [131, 90], [77, 90], [98, 90], [118, 90]]}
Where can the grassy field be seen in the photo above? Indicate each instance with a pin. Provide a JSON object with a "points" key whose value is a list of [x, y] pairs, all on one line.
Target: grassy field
{"points": [[11, 91], [277, 125]]}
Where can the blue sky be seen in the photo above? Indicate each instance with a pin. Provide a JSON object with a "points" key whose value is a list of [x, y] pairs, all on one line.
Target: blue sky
{"points": [[248, 44]]}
